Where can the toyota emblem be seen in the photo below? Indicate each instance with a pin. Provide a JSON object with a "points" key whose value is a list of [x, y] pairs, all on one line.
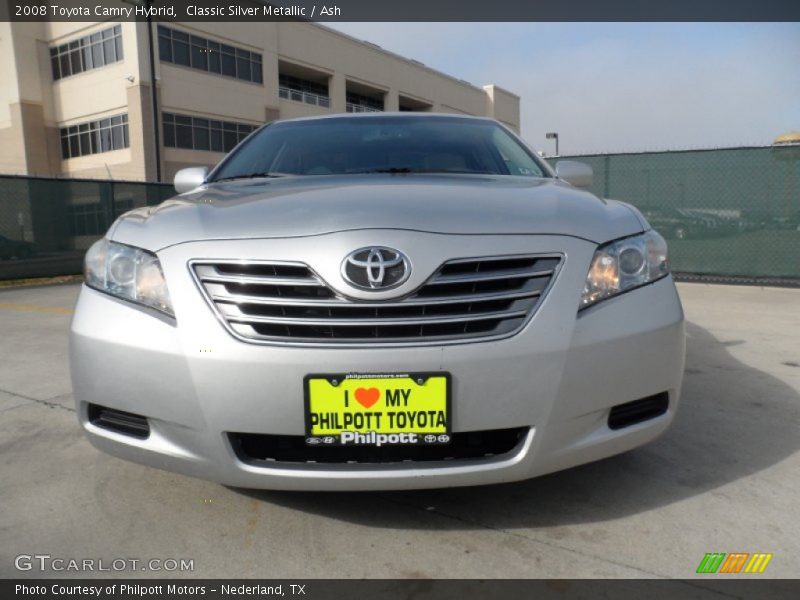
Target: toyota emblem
{"points": [[376, 268]]}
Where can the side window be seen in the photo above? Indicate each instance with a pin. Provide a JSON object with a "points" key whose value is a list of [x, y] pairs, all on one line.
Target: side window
{"points": [[516, 159]]}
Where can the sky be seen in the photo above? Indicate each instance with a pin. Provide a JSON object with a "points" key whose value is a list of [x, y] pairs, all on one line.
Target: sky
{"points": [[621, 87]]}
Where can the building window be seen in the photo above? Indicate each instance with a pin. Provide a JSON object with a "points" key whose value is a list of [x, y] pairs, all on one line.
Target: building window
{"points": [[203, 54], [303, 90], [361, 103], [197, 133], [94, 137], [89, 52]]}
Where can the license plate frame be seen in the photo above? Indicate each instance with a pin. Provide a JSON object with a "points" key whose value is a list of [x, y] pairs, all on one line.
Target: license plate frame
{"points": [[438, 428]]}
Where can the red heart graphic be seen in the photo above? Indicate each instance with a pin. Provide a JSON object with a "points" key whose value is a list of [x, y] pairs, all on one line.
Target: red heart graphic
{"points": [[366, 397]]}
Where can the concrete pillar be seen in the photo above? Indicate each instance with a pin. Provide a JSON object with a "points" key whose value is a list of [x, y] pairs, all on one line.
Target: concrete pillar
{"points": [[141, 123], [271, 113], [38, 146], [338, 92], [391, 100], [141, 119], [31, 146]]}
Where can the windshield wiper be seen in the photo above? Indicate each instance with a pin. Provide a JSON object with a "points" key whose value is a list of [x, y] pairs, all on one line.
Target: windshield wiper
{"points": [[251, 176]]}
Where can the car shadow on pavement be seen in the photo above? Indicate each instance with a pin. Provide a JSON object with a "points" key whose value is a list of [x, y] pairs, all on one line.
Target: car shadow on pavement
{"points": [[733, 421]]}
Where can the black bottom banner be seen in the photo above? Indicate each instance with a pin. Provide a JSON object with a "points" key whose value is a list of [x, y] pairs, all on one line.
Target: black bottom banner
{"points": [[390, 589]]}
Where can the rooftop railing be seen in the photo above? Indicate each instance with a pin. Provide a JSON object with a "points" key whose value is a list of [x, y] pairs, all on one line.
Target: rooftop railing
{"points": [[359, 108], [306, 97]]}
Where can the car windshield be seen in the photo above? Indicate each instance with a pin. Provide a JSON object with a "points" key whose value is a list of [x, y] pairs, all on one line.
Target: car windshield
{"points": [[347, 145]]}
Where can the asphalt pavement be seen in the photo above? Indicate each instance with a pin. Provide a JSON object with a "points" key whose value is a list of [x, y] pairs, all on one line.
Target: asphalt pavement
{"points": [[725, 478]]}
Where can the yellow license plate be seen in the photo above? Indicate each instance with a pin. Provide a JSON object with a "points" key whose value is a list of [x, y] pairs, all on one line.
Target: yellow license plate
{"points": [[377, 409]]}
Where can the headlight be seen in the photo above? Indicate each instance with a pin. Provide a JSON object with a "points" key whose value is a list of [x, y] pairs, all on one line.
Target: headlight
{"points": [[128, 273], [623, 265]]}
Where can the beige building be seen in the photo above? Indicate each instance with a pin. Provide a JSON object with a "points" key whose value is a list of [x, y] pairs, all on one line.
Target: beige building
{"points": [[76, 99]]}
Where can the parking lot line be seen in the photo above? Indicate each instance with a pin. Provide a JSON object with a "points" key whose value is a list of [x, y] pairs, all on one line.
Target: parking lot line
{"points": [[34, 308]]}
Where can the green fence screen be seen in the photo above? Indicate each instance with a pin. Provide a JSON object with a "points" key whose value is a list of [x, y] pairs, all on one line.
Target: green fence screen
{"points": [[731, 213], [46, 225]]}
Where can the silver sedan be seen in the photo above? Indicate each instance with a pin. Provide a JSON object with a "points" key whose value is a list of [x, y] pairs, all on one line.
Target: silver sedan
{"points": [[381, 301]]}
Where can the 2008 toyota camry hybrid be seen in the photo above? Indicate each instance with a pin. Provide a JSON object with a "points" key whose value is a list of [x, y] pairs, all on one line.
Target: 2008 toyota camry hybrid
{"points": [[378, 301]]}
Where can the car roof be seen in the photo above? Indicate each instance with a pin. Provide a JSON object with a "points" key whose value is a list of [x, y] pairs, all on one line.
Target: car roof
{"points": [[384, 115]]}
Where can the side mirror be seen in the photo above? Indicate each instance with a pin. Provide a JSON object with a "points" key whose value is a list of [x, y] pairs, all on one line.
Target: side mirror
{"points": [[576, 173], [188, 179]]}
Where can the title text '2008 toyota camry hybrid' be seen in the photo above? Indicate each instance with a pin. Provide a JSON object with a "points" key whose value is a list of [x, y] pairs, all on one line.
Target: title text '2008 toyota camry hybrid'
{"points": [[379, 301]]}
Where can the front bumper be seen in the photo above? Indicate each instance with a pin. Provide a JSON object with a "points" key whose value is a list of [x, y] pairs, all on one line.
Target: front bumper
{"points": [[559, 376]]}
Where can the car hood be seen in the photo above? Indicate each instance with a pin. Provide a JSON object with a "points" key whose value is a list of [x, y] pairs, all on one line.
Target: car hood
{"points": [[306, 206]]}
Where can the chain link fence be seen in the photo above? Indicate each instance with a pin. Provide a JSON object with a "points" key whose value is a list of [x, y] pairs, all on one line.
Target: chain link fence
{"points": [[729, 214], [46, 225]]}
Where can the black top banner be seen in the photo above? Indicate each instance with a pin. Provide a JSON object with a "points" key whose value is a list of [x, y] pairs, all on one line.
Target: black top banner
{"points": [[401, 11]]}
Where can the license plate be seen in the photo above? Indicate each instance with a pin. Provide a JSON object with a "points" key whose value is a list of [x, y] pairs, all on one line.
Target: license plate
{"points": [[377, 409]]}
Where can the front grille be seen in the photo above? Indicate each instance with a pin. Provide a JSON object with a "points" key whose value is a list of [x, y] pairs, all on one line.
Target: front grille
{"points": [[119, 421], [472, 445], [463, 299], [638, 411]]}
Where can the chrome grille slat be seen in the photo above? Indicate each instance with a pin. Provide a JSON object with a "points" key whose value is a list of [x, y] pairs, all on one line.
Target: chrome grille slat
{"points": [[204, 269], [245, 299], [338, 302], [262, 280], [464, 299], [464, 318], [467, 277]]}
